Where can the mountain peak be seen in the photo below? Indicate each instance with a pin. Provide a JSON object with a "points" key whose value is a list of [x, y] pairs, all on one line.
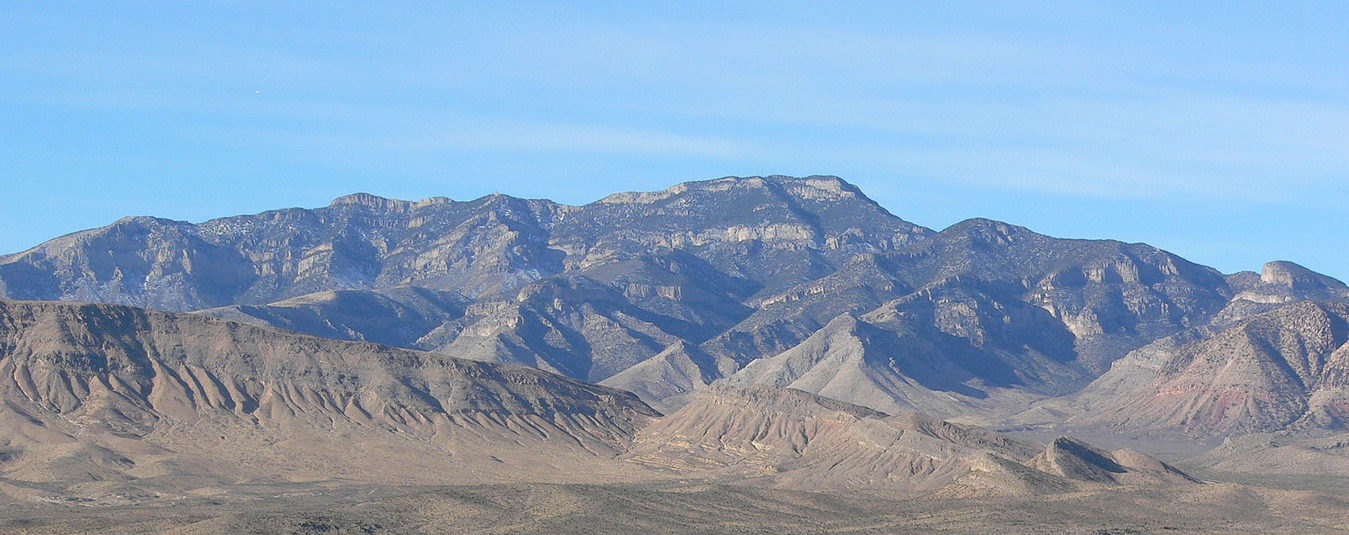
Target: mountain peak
{"points": [[375, 202], [988, 227], [1285, 273], [814, 187], [371, 201]]}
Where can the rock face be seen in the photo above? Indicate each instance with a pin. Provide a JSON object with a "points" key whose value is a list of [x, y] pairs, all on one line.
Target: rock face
{"points": [[1296, 278], [801, 282], [96, 392], [769, 231], [1111, 296], [1287, 368]]}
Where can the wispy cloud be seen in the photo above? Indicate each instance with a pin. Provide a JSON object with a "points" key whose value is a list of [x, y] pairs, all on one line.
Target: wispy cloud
{"points": [[1098, 103], [498, 136]]}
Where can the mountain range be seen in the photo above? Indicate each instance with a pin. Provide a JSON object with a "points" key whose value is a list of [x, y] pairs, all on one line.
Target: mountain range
{"points": [[801, 282], [776, 332], [99, 400]]}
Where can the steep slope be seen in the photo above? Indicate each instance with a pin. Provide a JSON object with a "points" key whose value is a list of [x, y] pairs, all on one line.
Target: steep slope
{"points": [[396, 316], [1292, 282], [1003, 311], [785, 318], [853, 361], [727, 271], [1257, 293], [1287, 368], [671, 378], [687, 296], [761, 229], [138, 261], [897, 361], [103, 392], [359, 242], [571, 325], [684, 264], [777, 323], [775, 231], [1278, 283], [1114, 297]]}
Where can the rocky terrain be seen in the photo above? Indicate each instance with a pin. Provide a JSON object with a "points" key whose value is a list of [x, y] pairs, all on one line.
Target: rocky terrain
{"points": [[1271, 361], [96, 397], [663, 293], [1287, 368], [784, 344], [121, 420]]}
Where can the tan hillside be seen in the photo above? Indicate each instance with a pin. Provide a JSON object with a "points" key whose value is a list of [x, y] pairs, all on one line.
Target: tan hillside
{"points": [[1077, 460], [110, 393], [792, 439]]}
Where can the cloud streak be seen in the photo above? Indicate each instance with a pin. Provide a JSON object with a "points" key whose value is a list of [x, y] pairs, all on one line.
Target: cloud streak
{"points": [[1098, 104]]}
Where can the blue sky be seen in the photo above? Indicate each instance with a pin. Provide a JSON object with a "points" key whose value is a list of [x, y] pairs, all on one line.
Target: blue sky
{"points": [[1219, 131]]}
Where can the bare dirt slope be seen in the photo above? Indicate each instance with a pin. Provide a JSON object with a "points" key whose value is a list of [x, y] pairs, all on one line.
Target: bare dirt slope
{"points": [[96, 396], [788, 438]]}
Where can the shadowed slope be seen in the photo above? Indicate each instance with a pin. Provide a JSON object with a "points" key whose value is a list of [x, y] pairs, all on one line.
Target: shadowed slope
{"points": [[1079, 461], [771, 231], [396, 316]]}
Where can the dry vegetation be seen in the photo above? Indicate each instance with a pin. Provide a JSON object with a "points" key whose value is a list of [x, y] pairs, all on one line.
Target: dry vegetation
{"points": [[687, 507]]}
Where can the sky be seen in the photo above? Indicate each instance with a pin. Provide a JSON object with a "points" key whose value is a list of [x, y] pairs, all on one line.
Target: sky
{"points": [[1216, 130]]}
